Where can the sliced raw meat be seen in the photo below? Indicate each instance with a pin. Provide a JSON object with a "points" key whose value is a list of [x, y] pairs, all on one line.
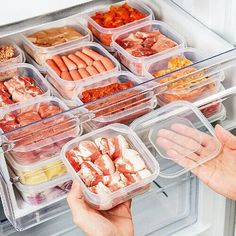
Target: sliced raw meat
{"points": [[46, 110], [89, 150], [105, 164]]}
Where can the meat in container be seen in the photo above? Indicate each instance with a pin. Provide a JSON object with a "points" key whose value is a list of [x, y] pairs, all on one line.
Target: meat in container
{"points": [[36, 173], [44, 193], [111, 164], [129, 103], [178, 136], [99, 19], [21, 83], [40, 42], [137, 45], [71, 67], [50, 128]]}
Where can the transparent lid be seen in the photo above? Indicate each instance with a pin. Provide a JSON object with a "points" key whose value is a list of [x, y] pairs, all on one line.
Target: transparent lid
{"points": [[179, 137]]}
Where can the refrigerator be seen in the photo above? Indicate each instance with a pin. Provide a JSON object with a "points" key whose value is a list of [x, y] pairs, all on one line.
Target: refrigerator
{"points": [[174, 206]]}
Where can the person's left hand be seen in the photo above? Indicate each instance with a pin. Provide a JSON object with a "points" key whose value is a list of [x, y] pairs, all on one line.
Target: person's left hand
{"points": [[114, 222]]}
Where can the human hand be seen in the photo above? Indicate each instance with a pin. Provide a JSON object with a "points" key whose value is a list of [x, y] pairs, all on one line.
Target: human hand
{"points": [[114, 222], [219, 173]]}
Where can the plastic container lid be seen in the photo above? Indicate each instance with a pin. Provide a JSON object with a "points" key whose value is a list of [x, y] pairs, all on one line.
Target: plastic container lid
{"points": [[176, 136]]}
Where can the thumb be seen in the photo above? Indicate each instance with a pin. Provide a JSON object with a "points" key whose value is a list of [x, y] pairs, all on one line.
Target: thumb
{"points": [[225, 137]]}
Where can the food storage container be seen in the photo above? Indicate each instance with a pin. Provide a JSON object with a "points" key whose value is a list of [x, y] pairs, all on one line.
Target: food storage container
{"points": [[39, 53], [104, 35], [67, 87], [123, 107], [31, 61], [136, 64], [107, 200], [44, 193], [41, 140], [179, 137], [36, 173], [19, 92]]}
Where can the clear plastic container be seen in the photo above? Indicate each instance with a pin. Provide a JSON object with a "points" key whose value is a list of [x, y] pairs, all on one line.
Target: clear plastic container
{"points": [[39, 53], [179, 137], [44, 193], [123, 107], [109, 200], [137, 64], [41, 140], [37, 173], [67, 88], [23, 70], [104, 35]]}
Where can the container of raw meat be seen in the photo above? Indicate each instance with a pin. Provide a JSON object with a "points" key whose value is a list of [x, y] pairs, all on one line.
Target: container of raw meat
{"points": [[36, 173], [70, 68], [129, 103], [111, 164], [137, 45], [107, 21], [44, 193], [50, 129], [40, 42]]}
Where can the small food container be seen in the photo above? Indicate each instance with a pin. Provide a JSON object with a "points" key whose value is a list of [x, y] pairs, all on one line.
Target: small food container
{"points": [[124, 137], [41, 140], [179, 137], [90, 56], [40, 42], [36, 173], [21, 83], [104, 35], [147, 49], [44, 193], [123, 107], [31, 61]]}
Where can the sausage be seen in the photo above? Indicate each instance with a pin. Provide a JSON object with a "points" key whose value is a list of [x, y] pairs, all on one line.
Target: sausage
{"points": [[66, 75], [92, 70], [99, 66], [54, 66], [94, 55], [88, 60], [107, 63], [75, 75], [70, 64], [79, 62], [60, 63], [84, 73]]}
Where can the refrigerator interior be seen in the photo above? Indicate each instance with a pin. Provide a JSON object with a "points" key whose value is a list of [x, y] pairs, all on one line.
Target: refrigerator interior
{"points": [[171, 204]]}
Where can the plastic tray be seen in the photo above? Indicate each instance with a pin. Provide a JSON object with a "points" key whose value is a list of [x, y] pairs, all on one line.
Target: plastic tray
{"points": [[123, 107], [137, 64], [173, 133], [68, 88], [42, 140], [39, 54], [44, 193], [38, 173], [110, 200], [104, 35]]}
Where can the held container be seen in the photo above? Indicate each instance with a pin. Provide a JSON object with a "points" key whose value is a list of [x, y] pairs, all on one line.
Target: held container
{"points": [[137, 64], [67, 88], [122, 107], [36, 173], [107, 201], [40, 53], [41, 140], [104, 35]]}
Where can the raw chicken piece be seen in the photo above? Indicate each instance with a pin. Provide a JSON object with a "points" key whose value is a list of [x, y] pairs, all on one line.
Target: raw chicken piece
{"points": [[46, 110], [105, 164], [89, 151]]}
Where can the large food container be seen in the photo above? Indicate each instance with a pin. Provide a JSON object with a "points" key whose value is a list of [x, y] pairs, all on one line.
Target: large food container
{"points": [[67, 88], [123, 107], [39, 53], [36, 173], [136, 64], [42, 140], [106, 200], [44, 193], [104, 35]]}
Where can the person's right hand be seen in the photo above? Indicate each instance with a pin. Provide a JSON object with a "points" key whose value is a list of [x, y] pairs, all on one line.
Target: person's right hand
{"points": [[219, 173]]}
